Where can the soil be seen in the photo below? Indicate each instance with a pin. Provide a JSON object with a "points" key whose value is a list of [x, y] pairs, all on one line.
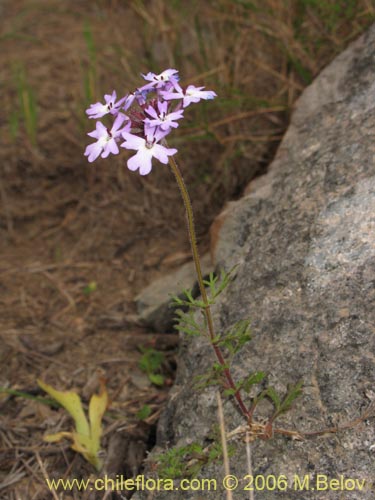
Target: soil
{"points": [[77, 243]]}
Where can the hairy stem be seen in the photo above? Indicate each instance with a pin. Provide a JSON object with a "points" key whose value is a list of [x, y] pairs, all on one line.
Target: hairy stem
{"points": [[202, 289]]}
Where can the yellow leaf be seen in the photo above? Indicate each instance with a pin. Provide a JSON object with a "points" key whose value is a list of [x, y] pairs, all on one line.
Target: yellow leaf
{"points": [[72, 404], [82, 444], [55, 438], [97, 408], [88, 449], [86, 439]]}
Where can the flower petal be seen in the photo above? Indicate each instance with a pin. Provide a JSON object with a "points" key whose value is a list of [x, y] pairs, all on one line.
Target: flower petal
{"points": [[142, 161], [93, 151], [132, 141], [110, 147], [162, 153]]}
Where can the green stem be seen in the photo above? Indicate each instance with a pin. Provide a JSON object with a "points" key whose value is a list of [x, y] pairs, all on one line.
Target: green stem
{"points": [[202, 289]]}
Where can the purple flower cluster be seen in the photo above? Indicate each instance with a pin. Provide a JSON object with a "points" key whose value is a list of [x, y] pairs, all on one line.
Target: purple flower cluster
{"points": [[143, 119]]}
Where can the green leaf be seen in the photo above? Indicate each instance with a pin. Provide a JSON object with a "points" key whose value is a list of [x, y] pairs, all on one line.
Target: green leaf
{"points": [[293, 393], [151, 360], [215, 452], [258, 398], [144, 412], [236, 337], [218, 284], [272, 394], [187, 300], [212, 377], [186, 323], [230, 392], [26, 395], [156, 379], [252, 379], [91, 287]]}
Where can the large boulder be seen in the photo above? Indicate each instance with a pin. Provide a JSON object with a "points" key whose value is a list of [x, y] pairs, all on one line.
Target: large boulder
{"points": [[304, 241]]}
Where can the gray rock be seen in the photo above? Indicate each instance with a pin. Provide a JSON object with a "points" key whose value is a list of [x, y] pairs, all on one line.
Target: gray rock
{"points": [[304, 239], [154, 303]]}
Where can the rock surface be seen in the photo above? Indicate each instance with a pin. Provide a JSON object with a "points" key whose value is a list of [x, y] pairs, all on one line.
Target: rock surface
{"points": [[304, 239], [155, 304]]}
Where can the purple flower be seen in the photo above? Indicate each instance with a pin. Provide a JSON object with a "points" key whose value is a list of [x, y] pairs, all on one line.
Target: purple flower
{"points": [[159, 81], [189, 95], [98, 109], [140, 95], [106, 140], [162, 118], [146, 150], [143, 118]]}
